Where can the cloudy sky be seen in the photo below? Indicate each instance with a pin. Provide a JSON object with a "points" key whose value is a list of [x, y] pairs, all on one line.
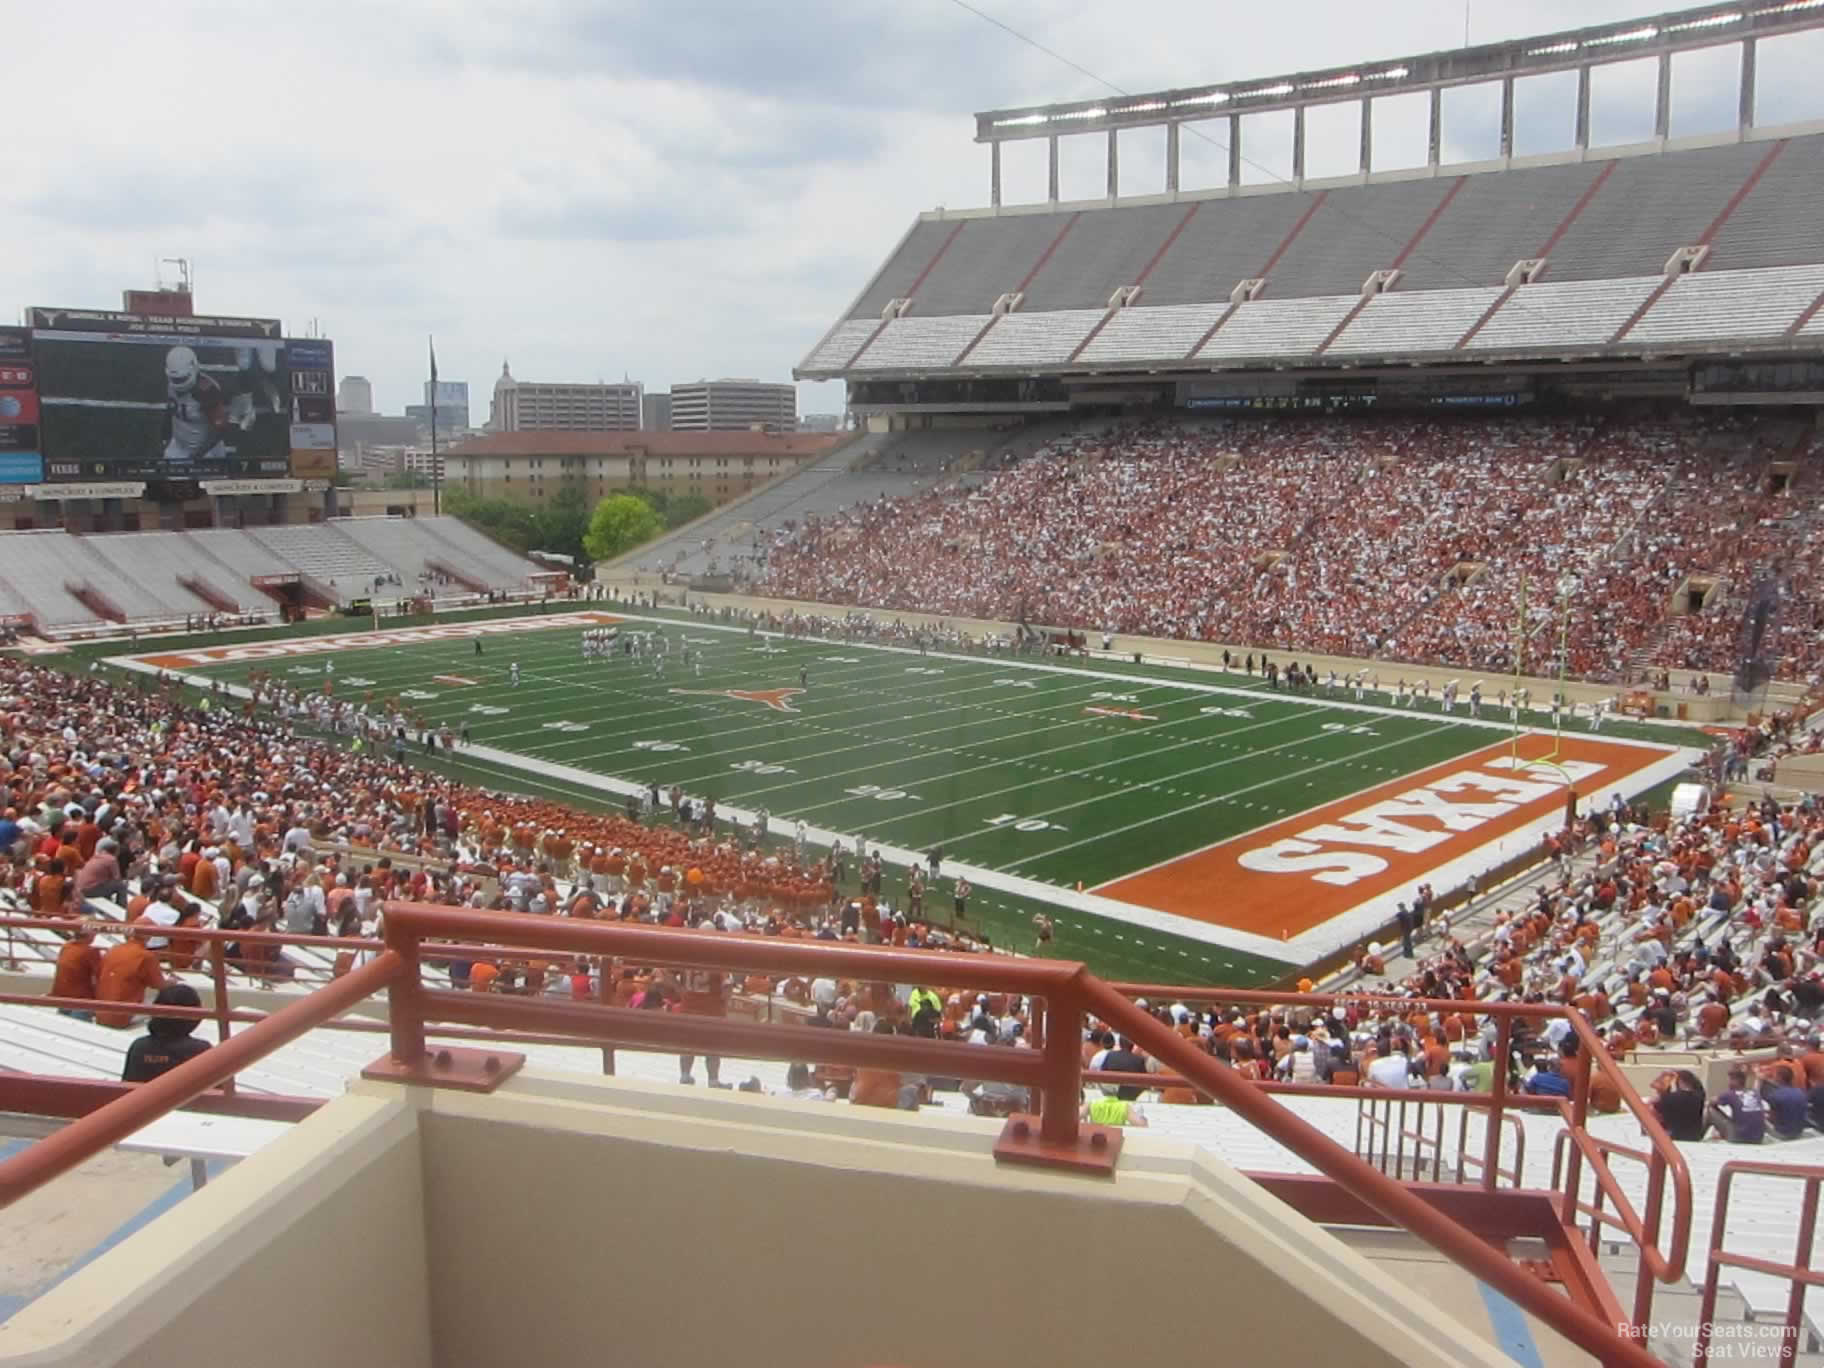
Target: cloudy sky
{"points": [[666, 190]]}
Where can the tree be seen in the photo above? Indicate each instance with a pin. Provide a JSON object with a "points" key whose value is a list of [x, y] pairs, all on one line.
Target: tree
{"points": [[620, 523]]}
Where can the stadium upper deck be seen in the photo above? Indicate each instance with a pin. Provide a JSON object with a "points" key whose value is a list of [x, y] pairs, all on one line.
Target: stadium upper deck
{"points": [[1582, 258], [1668, 248]]}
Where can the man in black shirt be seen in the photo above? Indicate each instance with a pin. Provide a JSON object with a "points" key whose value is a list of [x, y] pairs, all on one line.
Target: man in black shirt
{"points": [[1680, 1104], [167, 1041], [1125, 1059]]}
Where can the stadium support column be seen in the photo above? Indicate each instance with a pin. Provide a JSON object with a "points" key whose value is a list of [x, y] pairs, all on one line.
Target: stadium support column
{"points": [[1298, 145], [1171, 159], [1744, 119], [1662, 104], [1583, 109], [1434, 147], [1234, 151], [994, 173], [1114, 165], [1051, 171], [1367, 134], [1507, 117]]}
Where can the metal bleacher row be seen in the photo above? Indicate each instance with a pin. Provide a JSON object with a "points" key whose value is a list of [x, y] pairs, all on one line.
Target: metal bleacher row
{"points": [[67, 582], [1040, 288]]}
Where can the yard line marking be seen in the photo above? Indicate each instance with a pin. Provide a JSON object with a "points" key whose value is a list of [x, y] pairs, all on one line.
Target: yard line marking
{"points": [[1179, 812]]}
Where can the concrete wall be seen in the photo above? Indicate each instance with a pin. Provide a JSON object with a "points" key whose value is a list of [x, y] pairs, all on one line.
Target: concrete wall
{"points": [[1804, 772], [574, 1221], [311, 1253], [568, 1220]]}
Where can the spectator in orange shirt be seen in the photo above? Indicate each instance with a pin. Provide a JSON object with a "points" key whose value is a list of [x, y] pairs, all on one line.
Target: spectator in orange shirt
{"points": [[78, 967], [127, 971], [877, 1087]]}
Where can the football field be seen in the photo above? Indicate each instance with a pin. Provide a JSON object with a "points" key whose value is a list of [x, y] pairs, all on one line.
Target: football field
{"points": [[1170, 819]]}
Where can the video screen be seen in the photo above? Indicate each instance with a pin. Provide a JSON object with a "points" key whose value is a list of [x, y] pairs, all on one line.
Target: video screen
{"points": [[123, 399]]}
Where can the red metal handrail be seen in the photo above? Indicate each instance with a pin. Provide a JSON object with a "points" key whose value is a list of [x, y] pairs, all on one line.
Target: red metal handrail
{"points": [[1665, 1162], [1800, 1275], [81, 1140], [1053, 1071]]}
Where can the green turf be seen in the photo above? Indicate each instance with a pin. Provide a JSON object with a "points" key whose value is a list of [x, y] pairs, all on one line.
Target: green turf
{"points": [[997, 762]]}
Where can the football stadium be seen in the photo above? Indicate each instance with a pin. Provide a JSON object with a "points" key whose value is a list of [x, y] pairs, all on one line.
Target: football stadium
{"points": [[1280, 734]]}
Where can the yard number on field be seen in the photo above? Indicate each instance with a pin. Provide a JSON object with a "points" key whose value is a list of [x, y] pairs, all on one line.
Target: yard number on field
{"points": [[1102, 696], [488, 709], [885, 795], [1219, 711], [655, 745], [1016, 683], [1357, 730], [1012, 821], [563, 725], [759, 767]]}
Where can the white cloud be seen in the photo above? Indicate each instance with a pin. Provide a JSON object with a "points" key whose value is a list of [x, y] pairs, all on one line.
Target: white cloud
{"points": [[666, 190]]}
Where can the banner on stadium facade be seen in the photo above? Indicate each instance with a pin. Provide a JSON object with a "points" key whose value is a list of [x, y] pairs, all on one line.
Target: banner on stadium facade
{"points": [[21, 461], [118, 489], [223, 487], [147, 325], [274, 581], [313, 407]]}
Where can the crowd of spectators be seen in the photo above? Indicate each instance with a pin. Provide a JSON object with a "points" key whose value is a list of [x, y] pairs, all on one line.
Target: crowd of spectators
{"points": [[1423, 539], [1706, 931]]}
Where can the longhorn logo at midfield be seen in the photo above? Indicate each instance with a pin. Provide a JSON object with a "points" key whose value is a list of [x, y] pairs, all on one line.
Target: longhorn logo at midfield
{"points": [[777, 699]]}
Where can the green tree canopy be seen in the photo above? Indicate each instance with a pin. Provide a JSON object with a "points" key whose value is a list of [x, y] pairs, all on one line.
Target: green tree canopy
{"points": [[620, 523]]}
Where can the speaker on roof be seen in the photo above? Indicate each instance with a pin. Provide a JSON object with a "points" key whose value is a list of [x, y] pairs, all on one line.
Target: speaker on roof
{"points": [[1247, 289], [1379, 282], [1007, 303], [1687, 259]]}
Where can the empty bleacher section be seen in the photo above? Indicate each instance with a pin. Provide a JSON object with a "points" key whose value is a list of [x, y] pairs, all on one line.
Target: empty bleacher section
{"points": [[1428, 320], [69, 583], [326, 554], [1568, 313], [1605, 227], [161, 563]]}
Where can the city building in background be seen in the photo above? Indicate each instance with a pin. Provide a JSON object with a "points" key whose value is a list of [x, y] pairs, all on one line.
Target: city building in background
{"points": [[355, 395], [820, 422], [532, 466], [538, 406], [452, 404], [734, 406], [655, 413]]}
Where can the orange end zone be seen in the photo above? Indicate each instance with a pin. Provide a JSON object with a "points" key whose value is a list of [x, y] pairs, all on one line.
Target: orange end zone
{"points": [[1298, 873]]}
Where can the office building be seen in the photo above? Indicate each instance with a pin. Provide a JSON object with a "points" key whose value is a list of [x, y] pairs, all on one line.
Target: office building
{"points": [[734, 406], [655, 413], [537, 406], [355, 395], [531, 466]]}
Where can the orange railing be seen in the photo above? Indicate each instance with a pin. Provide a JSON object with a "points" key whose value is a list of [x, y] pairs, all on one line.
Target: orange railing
{"points": [[1666, 1167], [1065, 996], [1799, 1274]]}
